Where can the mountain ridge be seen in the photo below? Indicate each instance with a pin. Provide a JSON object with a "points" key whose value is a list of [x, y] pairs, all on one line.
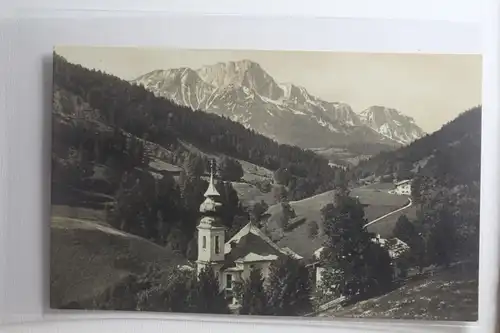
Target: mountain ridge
{"points": [[391, 123], [244, 92]]}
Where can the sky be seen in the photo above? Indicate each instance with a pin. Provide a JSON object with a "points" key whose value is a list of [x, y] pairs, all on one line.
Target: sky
{"points": [[431, 88]]}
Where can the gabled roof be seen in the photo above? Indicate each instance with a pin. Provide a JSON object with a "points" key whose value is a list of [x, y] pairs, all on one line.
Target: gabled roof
{"points": [[402, 182], [250, 245], [250, 228]]}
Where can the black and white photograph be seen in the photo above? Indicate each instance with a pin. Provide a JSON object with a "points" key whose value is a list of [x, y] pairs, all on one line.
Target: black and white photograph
{"points": [[266, 183]]}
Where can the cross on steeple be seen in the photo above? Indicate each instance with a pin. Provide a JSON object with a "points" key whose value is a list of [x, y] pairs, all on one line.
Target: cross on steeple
{"points": [[211, 167]]}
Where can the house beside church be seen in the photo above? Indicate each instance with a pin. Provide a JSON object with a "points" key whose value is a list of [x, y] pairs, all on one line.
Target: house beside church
{"points": [[233, 259]]}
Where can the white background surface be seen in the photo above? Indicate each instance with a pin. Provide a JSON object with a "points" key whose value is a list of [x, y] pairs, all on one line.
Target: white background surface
{"points": [[25, 106]]}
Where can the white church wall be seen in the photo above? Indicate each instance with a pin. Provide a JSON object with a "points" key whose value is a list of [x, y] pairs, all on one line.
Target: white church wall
{"points": [[208, 239]]}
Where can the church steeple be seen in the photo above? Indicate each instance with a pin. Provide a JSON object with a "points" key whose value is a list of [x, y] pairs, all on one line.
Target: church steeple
{"points": [[211, 205], [211, 230]]}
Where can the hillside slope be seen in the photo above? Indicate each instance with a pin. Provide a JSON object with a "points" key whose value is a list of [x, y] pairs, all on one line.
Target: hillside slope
{"points": [[446, 294], [110, 256], [376, 204]]}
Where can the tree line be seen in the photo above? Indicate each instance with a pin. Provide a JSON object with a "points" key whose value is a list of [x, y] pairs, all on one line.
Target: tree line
{"points": [[446, 227], [285, 293]]}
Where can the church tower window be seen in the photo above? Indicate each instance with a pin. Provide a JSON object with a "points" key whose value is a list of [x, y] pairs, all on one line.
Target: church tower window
{"points": [[217, 247], [204, 242]]}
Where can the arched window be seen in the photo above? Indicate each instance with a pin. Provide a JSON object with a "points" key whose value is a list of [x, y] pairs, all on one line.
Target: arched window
{"points": [[204, 242], [217, 248]]}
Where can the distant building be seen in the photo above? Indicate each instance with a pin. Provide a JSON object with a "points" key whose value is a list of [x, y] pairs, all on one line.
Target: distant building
{"points": [[403, 187], [232, 260]]}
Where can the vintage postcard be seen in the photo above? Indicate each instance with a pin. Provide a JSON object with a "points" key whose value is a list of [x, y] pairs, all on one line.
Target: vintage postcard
{"points": [[275, 183]]}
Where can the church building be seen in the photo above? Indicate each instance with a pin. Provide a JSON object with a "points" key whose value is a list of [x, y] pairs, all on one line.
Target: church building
{"points": [[233, 259]]}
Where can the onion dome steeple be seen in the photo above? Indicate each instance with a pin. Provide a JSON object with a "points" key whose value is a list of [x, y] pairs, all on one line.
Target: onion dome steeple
{"points": [[211, 204]]}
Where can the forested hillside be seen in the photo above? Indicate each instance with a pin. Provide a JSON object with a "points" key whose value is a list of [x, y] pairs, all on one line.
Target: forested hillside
{"points": [[451, 154], [137, 111], [445, 167]]}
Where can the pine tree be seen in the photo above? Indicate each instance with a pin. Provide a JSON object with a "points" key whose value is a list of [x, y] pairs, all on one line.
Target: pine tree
{"points": [[404, 229], [407, 231], [206, 294], [359, 266], [253, 295], [289, 288], [442, 244]]}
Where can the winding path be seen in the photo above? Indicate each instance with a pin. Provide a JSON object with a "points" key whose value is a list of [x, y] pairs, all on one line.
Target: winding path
{"points": [[389, 214]]}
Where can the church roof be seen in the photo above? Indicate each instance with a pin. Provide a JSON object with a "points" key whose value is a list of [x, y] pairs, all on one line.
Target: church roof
{"points": [[251, 229], [250, 245]]}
